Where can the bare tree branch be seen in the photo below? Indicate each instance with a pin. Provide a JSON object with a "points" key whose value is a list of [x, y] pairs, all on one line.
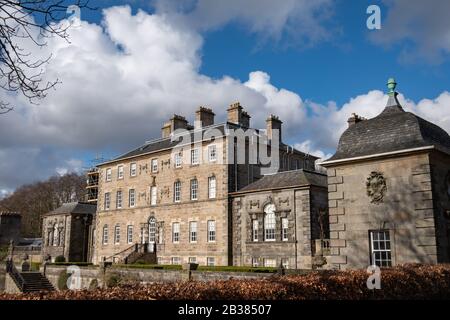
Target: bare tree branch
{"points": [[33, 21]]}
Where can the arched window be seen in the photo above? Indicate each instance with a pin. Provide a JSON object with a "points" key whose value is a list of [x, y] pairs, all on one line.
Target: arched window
{"points": [[152, 230], [55, 235], [269, 222]]}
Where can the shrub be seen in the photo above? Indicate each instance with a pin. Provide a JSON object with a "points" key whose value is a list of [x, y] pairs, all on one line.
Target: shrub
{"points": [[35, 266], [113, 279], [80, 264], [59, 259], [3, 252], [401, 282], [62, 280], [150, 266], [93, 285], [237, 269]]}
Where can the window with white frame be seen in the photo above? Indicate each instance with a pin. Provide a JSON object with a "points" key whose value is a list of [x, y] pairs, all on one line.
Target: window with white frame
{"points": [[153, 194], [176, 260], [176, 232], [194, 189], [105, 234], [212, 153], [117, 235], [108, 174], [130, 234], [284, 229], [212, 187], [133, 170], [270, 263], [192, 260], [269, 223], [178, 159], [380, 246], [211, 230], [132, 198], [120, 172], [177, 191], [210, 261], [193, 231], [285, 263], [255, 227], [154, 165], [255, 262], [152, 230], [107, 200], [119, 199], [195, 159]]}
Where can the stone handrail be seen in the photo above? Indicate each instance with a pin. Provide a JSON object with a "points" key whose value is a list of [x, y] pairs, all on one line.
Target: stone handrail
{"points": [[117, 257], [15, 274]]}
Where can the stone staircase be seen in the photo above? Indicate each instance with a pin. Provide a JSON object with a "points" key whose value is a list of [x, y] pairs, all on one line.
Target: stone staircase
{"points": [[36, 281], [28, 281], [142, 257]]}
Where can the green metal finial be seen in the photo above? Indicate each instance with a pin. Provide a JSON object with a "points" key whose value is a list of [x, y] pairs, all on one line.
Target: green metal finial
{"points": [[391, 84]]}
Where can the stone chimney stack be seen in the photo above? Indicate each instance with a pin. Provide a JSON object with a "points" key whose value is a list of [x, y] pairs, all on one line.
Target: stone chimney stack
{"points": [[354, 119], [237, 115], [273, 123], [245, 119], [176, 122], [204, 117]]}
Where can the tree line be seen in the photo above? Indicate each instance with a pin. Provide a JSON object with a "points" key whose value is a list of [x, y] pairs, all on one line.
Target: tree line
{"points": [[35, 199]]}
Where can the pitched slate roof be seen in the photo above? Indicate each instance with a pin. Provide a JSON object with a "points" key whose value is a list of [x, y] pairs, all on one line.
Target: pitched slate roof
{"points": [[74, 207], [166, 143], [10, 214], [392, 130], [286, 179]]}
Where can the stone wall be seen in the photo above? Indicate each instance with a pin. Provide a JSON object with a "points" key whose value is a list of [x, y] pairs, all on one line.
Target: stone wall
{"points": [[166, 211], [440, 170], [9, 228], [2, 276], [143, 276], [298, 205], [62, 249], [406, 210]]}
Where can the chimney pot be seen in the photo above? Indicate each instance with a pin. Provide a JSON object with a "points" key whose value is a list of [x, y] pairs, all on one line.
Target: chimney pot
{"points": [[204, 117]]}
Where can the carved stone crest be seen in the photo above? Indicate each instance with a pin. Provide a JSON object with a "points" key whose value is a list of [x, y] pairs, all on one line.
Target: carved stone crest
{"points": [[376, 187], [254, 204], [165, 191]]}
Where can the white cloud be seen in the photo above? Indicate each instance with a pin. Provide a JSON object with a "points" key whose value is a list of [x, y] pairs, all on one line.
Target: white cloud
{"points": [[425, 24], [122, 80], [302, 21]]}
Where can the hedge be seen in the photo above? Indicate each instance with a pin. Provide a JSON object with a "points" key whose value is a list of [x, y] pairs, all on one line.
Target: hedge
{"points": [[200, 268], [80, 264], [402, 282]]}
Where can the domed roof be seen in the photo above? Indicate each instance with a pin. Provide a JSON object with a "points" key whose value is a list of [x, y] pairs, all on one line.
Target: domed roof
{"points": [[392, 130]]}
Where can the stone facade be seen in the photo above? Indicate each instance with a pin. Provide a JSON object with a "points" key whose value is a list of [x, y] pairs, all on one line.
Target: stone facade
{"points": [[68, 231], [9, 227], [148, 176], [389, 196], [299, 206]]}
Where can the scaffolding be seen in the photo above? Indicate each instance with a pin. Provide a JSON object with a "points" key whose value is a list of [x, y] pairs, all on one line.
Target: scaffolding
{"points": [[92, 185]]}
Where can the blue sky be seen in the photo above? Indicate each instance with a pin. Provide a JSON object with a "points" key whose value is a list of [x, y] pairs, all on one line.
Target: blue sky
{"points": [[313, 63]]}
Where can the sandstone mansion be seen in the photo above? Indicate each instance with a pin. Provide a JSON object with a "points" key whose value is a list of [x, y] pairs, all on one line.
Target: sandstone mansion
{"points": [[383, 198]]}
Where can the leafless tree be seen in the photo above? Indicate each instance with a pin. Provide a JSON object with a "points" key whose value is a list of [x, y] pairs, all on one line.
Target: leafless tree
{"points": [[33, 200], [24, 22]]}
